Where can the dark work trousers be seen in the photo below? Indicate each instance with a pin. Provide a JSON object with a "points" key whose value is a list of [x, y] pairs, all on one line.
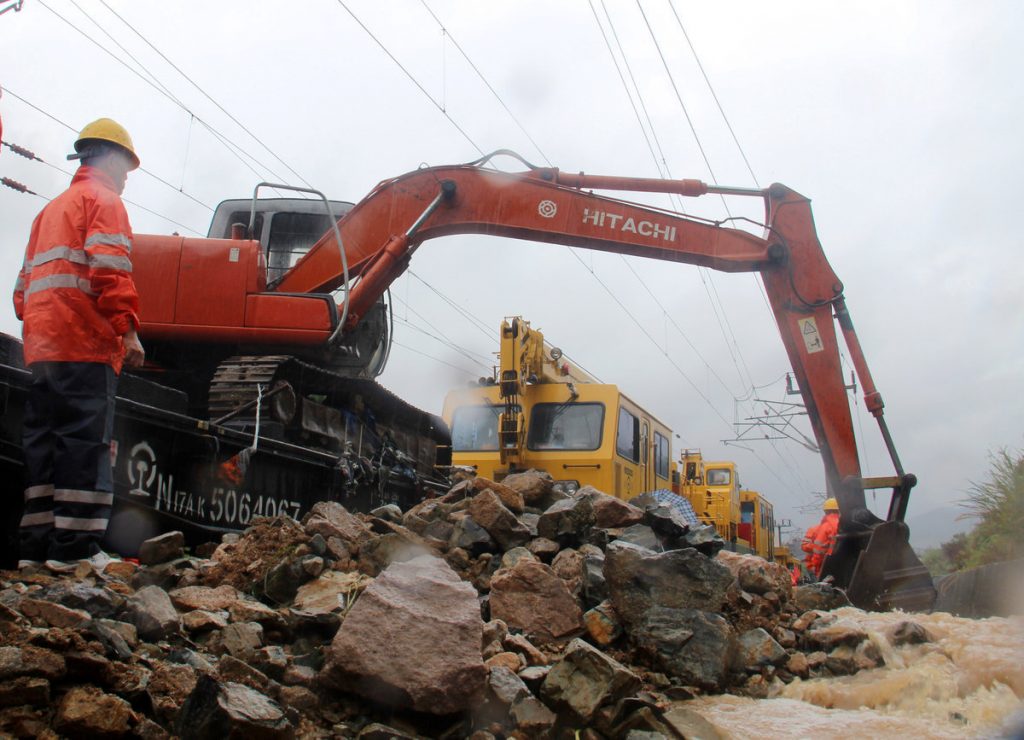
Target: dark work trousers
{"points": [[69, 418]]}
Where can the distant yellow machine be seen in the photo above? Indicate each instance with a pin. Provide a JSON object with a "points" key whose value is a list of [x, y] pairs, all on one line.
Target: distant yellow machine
{"points": [[541, 412], [744, 518]]}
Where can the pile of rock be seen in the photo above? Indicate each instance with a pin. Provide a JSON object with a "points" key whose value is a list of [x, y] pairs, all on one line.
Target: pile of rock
{"points": [[497, 610]]}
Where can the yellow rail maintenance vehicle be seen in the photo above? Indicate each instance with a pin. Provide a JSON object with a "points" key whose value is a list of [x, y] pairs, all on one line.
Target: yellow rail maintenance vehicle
{"points": [[743, 518], [756, 531], [538, 411]]}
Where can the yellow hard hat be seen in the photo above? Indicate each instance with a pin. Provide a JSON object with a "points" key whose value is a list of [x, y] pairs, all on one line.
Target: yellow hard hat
{"points": [[105, 129], [831, 505]]}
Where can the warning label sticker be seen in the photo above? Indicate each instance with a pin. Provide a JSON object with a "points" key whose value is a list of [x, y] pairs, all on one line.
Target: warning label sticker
{"points": [[812, 340]]}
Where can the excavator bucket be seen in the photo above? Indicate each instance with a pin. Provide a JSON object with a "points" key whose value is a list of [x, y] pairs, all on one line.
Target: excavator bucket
{"points": [[881, 570]]}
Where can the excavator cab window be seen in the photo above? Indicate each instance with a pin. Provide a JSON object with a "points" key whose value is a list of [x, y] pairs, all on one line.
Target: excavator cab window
{"points": [[560, 426], [291, 236]]}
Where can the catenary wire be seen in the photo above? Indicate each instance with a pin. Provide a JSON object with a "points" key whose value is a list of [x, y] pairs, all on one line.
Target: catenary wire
{"points": [[8, 91], [196, 85], [483, 79], [410, 76], [231, 146]]}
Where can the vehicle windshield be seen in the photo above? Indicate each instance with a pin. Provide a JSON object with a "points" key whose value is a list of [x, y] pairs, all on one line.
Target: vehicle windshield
{"points": [[565, 426], [475, 428], [719, 477]]}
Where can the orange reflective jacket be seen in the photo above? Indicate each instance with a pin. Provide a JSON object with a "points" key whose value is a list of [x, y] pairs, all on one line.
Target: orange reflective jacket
{"points": [[823, 539], [75, 291]]}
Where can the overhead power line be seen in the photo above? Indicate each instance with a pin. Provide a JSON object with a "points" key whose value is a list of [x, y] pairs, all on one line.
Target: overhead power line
{"points": [[486, 83], [411, 77], [209, 97], [232, 147], [145, 171]]}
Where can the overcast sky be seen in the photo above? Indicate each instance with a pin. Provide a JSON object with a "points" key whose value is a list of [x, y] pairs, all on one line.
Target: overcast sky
{"points": [[901, 121]]}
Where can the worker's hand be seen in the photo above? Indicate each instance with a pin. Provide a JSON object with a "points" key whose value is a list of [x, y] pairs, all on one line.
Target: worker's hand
{"points": [[134, 354]]}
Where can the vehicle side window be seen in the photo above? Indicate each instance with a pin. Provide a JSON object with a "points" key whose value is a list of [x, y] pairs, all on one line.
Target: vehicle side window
{"points": [[661, 455], [627, 440]]}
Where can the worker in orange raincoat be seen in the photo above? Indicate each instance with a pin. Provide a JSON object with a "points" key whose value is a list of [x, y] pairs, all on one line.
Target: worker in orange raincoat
{"points": [[820, 539], [79, 306]]}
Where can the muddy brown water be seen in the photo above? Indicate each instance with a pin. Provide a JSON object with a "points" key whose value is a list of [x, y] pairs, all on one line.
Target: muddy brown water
{"points": [[968, 682]]}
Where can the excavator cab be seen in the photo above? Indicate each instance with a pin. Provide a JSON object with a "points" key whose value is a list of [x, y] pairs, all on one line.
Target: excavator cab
{"points": [[286, 227]]}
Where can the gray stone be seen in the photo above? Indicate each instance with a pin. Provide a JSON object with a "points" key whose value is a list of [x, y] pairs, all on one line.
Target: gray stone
{"points": [[568, 522], [238, 671], [695, 646], [168, 546], [690, 725], [595, 588], [908, 633], [471, 537], [758, 649], [585, 679], [101, 603], [391, 512], [679, 579], [704, 539], [284, 579], [531, 717], [516, 554], [231, 710], [827, 636], [642, 536], [387, 646], [568, 565], [821, 596], [200, 620], [506, 686], [611, 512], [151, 611], [665, 520], [242, 639]]}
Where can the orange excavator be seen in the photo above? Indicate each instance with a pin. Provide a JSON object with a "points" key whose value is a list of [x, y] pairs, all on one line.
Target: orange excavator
{"points": [[275, 327]]}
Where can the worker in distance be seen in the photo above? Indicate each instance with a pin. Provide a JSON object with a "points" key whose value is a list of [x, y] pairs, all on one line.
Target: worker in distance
{"points": [[79, 305]]}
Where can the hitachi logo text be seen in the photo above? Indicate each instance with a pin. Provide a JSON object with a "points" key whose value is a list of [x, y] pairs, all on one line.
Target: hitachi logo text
{"points": [[618, 222]]}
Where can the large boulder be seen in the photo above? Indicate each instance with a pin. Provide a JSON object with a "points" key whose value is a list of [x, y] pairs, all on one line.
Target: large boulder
{"points": [[695, 646], [678, 579], [531, 598], [151, 611], [412, 640]]}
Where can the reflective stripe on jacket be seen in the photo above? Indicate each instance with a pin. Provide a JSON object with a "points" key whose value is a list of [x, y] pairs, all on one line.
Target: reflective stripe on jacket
{"points": [[75, 291]]}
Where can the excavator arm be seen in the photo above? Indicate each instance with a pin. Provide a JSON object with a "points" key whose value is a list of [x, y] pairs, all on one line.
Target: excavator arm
{"points": [[872, 557]]}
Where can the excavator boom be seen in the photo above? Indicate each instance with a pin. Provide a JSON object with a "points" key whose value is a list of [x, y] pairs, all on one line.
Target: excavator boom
{"points": [[872, 557]]}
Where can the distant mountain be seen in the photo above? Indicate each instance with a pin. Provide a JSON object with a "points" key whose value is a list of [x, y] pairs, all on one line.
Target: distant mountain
{"points": [[934, 527]]}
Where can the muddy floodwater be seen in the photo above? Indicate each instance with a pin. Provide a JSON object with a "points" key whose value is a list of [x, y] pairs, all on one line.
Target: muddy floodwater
{"points": [[968, 682]]}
